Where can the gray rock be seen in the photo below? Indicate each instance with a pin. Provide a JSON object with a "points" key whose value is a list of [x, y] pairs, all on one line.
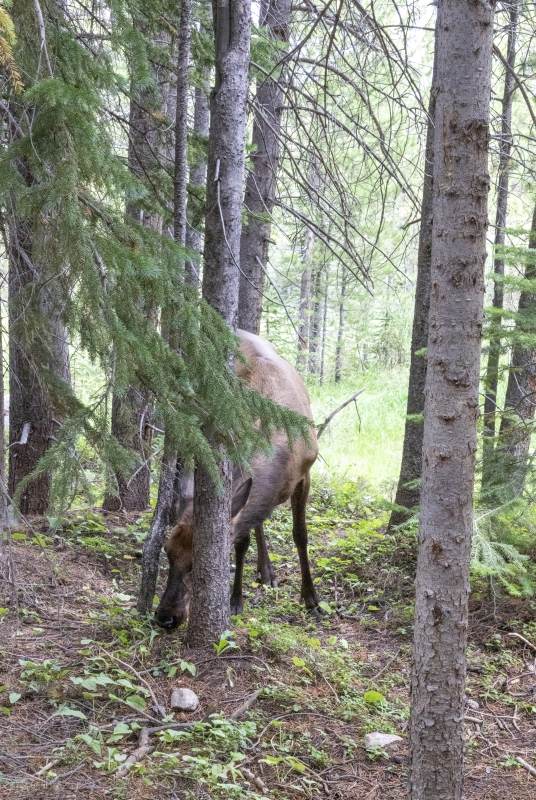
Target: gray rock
{"points": [[184, 700], [472, 704], [388, 741]]}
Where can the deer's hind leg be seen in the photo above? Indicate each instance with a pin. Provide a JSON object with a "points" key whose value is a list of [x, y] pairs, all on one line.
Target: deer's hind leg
{"points": [[265, 568], [298, 502]]}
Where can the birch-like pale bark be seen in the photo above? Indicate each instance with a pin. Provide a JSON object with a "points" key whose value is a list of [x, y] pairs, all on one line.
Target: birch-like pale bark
{"points": [[460, 192]]}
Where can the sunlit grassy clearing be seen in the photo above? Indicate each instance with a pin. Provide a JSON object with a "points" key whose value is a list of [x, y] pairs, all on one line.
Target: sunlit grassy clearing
{"points": [[367, 446]]}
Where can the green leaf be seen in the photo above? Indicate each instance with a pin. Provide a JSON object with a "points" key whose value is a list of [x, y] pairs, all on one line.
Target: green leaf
{"points": [[325, 607], [189, 667], [70, 712], [13, 697], [137, 702], [19, 536], [91, 742], [121, 728], [373, 698], [298, 662]]}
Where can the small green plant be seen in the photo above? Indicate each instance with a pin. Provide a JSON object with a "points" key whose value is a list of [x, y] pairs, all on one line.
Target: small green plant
{"points": [[226, 642]]}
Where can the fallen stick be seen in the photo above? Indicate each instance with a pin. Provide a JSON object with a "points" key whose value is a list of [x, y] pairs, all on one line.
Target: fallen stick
{"points": [[321, 428], [518, 636], [375, 677], [527, 766], [144, 749], [250, 776], [47, 767], [246, 705]]}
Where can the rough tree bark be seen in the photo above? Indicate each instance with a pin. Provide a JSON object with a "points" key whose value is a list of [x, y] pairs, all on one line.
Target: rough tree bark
{"points": [[305, 299], [407, 492], [261, 181], [170, 467], [340, 332], [460, 191], [31, 423], [209, 610], [516, 424], [492, 370]]}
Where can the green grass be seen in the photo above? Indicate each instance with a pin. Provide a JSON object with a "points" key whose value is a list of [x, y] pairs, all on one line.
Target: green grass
{"points": [[367, 444]]}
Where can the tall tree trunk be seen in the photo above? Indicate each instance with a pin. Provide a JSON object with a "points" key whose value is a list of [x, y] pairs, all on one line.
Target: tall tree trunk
{"points": [[314, 329], [131, 410], [408, 490], [324, 328], [4, 501], [31, 424], [461, 184], [492, 371], [170, 467], [198, 179], [516, 424], [261, 181], [340, 332], [209, 610], [305, 300]]}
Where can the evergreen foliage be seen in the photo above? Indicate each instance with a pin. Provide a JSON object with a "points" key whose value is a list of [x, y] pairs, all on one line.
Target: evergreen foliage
{"points": [[63, 173]]}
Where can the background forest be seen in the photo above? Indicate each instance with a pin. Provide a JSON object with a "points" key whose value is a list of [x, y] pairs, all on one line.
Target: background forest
{"points": [[117, 382]]}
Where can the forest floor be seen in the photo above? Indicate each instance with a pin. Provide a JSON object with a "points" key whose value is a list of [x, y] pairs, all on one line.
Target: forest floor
{"points": [[82, 673]]}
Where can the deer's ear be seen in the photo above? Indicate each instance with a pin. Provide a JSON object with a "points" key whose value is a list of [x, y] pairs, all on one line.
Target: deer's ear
{"points": [[240, 498]]}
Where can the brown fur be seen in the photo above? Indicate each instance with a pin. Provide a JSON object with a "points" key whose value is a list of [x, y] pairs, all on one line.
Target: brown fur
{"points": [[277, 476]]}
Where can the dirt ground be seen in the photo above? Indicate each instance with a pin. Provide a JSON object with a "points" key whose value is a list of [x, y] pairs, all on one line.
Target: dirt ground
{"points": [[304, 733]]}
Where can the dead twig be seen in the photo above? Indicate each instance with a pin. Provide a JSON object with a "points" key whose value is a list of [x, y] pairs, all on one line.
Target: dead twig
{"points": [[144, 749], [518, 636], [375, 677], [527, 766], [250, 776], [246, 705], [321, 428]]}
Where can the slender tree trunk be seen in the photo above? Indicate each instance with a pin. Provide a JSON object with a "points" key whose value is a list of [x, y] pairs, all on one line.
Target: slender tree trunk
{"points": [[31, 425], [340, 332], [305, 300], [492, 371], [516, 424], [4, 501], [198, 179], [209, 610], [261, 181], [324, 328], [131, 410], [314, 330], [408, 490], [171, 467], [461, 184]]}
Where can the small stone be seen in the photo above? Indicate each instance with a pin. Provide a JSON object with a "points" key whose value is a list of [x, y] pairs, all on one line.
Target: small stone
{"points": [[385, 740], [472, 704], [184, 700]]}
